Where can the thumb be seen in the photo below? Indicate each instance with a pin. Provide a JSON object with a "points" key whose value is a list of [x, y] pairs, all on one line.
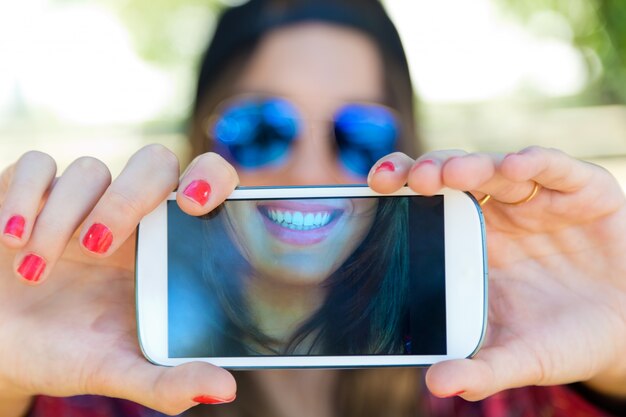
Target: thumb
{"points": [[170, 390], [477, 378]]}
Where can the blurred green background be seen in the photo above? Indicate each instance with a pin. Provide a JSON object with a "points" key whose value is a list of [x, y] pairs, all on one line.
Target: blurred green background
{"points": [[105, 77]]}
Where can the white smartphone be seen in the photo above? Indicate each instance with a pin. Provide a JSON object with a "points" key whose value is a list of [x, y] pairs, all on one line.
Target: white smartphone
{"points": [[303, 277]]}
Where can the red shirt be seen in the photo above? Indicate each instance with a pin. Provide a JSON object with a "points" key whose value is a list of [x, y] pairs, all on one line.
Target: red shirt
{"points": [[557, 401]]}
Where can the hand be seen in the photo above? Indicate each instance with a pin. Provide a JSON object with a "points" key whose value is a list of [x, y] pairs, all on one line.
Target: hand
{"points": [[67, 321], [557, 268]]}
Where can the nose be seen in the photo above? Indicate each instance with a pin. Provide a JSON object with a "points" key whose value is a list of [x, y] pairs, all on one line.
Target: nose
{"points": [[314, 160]]}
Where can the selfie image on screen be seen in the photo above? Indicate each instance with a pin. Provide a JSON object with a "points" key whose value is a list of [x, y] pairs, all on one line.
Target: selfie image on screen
{"points": [[309, 276]]}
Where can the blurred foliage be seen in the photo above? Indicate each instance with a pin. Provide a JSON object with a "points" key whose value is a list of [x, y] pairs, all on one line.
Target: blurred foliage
{"points": [[167, 31], [174, 33], [163, 31], [598, 26]]}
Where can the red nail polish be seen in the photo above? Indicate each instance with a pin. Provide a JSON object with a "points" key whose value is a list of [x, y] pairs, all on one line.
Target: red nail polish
{"points": [[32, 267], [386, 166], [425, 162], [421, 164], [456, 394], [98, 238], [207, 399], [198, 191], [15, 226]]}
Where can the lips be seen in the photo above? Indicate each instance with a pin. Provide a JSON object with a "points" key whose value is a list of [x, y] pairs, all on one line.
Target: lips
{"points": [[299, 223]]}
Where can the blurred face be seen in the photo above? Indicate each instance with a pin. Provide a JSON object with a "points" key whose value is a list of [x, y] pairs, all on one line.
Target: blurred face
{"points": [[319, 68]]}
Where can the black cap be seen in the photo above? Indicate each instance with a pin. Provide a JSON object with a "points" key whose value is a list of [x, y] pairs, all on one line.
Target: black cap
{"points": [[244, 25]]}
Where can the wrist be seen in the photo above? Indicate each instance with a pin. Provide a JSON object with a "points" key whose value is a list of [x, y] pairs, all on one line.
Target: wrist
{"points": [[13, 402]]}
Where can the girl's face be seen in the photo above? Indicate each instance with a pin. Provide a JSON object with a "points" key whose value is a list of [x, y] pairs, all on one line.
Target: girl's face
{"points": [[299, 242], [319, 68]]}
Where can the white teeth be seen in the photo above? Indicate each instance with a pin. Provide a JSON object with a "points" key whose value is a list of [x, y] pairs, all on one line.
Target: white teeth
{"points": [[297, 220]]}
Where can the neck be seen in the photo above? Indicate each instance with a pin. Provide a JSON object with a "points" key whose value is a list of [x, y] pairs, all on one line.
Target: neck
{"points": [[279, 308], [304, 393]]}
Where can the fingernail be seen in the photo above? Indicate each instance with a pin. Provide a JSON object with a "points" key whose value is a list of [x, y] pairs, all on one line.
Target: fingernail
{"points": [[422, 163], [15, 226], [456, 394], [386, 166], [198, 191], [32, 267], [425, 162], [98, 238], [207, 399]]}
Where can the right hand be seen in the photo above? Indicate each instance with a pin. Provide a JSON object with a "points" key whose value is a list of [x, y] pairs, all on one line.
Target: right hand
{"points": [[72, 330]]}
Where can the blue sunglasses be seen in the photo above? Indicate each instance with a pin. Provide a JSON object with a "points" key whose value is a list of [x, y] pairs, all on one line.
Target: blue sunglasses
{"points": [[258, 132]]}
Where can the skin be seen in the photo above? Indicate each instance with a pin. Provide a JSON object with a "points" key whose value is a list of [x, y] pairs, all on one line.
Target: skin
{"points": [[557, 288]]}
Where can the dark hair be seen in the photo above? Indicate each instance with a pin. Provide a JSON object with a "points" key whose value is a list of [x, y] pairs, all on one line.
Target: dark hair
{"points": [[241, 28]]}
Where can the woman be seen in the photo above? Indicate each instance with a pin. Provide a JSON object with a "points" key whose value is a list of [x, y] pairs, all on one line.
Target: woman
{"points": [[555, 249]]}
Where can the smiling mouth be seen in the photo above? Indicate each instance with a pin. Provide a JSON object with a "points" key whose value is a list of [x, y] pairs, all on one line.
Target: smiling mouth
{"points": [[300, 220]]}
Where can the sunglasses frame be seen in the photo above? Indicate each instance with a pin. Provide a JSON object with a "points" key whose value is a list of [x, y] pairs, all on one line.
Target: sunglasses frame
{"points": [[210, 121]]}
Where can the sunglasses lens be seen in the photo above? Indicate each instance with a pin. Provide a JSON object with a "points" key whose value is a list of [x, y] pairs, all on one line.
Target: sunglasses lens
{"points": [[257, 132], [364, 133]]}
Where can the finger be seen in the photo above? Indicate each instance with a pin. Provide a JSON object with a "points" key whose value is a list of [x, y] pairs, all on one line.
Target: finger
{"points": [[477, 378], [425, 176], [479, 174], [146, 180], [206, 183], [447, 379], [25, 185], [390, 173], [71, 199], [168, 390], [512, 178], [551, 168]]}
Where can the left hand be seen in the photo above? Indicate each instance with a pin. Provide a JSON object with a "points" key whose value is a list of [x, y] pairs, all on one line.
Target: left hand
{"points": [[557, 268]]}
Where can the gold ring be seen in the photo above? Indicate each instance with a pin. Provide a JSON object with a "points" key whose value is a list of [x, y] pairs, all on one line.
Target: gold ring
{"points": [[530, 196], [484, 200]]}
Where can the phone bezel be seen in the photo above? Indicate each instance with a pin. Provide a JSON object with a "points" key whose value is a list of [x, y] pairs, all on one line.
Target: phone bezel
{"points": [[466, 284]]}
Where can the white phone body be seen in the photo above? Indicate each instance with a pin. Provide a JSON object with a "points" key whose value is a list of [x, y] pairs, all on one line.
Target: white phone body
{"points": [[462, 289]]}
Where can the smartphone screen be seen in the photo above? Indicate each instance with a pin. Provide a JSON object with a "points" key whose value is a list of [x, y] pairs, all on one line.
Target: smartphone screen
{"points": [[308, 276]]}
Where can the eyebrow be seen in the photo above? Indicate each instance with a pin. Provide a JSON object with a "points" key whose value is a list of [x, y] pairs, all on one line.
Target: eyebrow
{"points": [[268, 93]]}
